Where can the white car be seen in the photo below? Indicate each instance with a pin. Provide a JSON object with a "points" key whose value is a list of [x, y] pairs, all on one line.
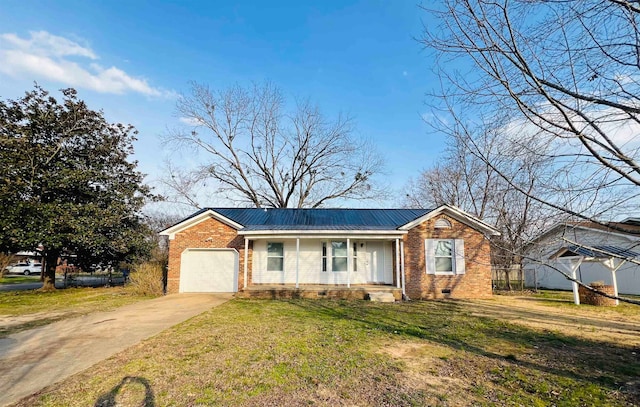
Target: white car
{"points": [[25, 268]]}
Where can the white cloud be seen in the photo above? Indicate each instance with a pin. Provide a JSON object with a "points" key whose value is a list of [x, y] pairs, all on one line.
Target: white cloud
{"points": [[191, 121], [47, 56], [43, 43]]}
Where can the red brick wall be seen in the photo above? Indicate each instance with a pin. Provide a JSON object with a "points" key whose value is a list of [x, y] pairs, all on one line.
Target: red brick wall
{"points": [[210, 233], [475, 283]]}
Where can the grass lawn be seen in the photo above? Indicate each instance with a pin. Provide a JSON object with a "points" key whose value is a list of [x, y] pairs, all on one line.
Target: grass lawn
{"points": [[19, 279], [20, 310], [328, 353]]}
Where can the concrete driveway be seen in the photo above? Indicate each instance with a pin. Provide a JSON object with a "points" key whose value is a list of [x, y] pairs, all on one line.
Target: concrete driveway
{"points": [[31, 360]]}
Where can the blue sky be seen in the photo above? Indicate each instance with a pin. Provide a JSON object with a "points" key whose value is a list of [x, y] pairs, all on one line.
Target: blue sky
{"points": [[131, 59]]}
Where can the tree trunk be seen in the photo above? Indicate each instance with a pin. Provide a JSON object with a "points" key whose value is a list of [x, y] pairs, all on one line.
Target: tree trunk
{"points": [[51, 262], [507, 276]]}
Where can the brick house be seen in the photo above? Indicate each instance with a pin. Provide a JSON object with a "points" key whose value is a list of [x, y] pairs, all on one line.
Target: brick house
{"points": [[415, 253]]}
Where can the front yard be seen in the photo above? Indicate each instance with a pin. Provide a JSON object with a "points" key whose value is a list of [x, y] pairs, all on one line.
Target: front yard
{"points": [[529, 351]]}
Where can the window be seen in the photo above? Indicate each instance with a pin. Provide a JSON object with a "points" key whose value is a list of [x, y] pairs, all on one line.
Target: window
{"points": [[442, 224], [275, 257], [355, 257], [324, 256], [339, 256], [444, 256]]}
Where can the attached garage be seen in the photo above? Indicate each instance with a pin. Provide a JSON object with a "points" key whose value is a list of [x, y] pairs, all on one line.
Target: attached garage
{"points": [[209, 271]]}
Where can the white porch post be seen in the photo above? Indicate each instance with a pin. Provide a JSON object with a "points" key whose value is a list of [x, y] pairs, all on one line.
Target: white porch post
{"points": [[615, 285], [298, 262], [574, 286], [611, 265], [398, 263], [349, 263], [246, 260], [404, 292], [571, 264]]}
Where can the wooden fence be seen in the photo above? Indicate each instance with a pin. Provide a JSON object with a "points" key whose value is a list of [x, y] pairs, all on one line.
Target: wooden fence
{"points": [[499, 278]]}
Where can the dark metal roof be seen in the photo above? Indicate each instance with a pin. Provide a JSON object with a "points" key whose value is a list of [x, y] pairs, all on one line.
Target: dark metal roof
{"points": [[320, 219], [632, 221], [601, 252]]}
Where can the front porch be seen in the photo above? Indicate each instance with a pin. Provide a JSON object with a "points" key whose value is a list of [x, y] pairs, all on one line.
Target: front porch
{"points": [[317, 263], [315, 291]]}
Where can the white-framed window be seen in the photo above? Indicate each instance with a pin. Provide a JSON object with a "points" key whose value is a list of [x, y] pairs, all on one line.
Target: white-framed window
{"points": [[354, 256], [336, 253], [339, 255], [442, 223], [324, 256], [275, 256], [444, 256]]}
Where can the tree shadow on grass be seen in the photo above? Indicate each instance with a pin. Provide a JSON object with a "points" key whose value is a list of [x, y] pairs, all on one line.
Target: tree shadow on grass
{"points": [[129, 387], [452, 324]]}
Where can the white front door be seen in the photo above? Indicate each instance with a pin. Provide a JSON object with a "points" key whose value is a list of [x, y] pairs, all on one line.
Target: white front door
{"points": [[375, 262]]}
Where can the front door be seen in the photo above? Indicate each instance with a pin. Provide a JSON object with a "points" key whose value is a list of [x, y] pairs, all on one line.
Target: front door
{"points": [[375, 262]]}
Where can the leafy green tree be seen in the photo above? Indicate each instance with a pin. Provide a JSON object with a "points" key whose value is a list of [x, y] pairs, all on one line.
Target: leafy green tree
{"points": [[67, 183]]}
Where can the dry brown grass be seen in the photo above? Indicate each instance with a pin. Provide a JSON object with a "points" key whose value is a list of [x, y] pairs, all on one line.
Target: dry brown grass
{"points": [[619, 325], [146, 279]]}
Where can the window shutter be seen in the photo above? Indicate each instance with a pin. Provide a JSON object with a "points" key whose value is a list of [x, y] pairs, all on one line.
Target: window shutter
{"points": [[458, 246], [429, 256]]}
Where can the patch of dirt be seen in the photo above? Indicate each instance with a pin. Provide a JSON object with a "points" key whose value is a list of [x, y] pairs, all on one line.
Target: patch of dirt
{"points": [[427, 371]]}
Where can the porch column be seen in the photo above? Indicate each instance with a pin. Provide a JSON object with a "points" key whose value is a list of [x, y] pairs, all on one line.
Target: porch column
{"points": [[349, 263], [615, 285], [571, 264], [398, 263], [246, 260], [610, 263], [402, 276], [298, 262]]}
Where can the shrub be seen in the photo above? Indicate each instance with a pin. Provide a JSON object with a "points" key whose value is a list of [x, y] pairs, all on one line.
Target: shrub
{"points": [[146, 279]]}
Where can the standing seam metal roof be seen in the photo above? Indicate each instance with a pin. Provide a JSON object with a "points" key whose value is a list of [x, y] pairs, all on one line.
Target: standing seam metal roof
{"points": [[601, 252], [320, 219]]}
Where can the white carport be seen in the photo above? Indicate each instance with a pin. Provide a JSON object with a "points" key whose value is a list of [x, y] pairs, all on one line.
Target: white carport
{"points": [[571, 257]]}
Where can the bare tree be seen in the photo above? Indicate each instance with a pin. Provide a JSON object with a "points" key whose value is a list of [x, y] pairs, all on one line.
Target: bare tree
{"points": [[570, 75], [565, 75], [156, 221], [258, 154]]}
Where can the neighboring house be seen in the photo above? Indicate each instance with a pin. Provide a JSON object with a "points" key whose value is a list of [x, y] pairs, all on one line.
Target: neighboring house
{"points": [[593, 242], [422, 253]]}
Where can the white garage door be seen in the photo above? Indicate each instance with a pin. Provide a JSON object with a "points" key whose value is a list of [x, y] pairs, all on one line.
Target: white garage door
{"points": [[209, 271]]}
